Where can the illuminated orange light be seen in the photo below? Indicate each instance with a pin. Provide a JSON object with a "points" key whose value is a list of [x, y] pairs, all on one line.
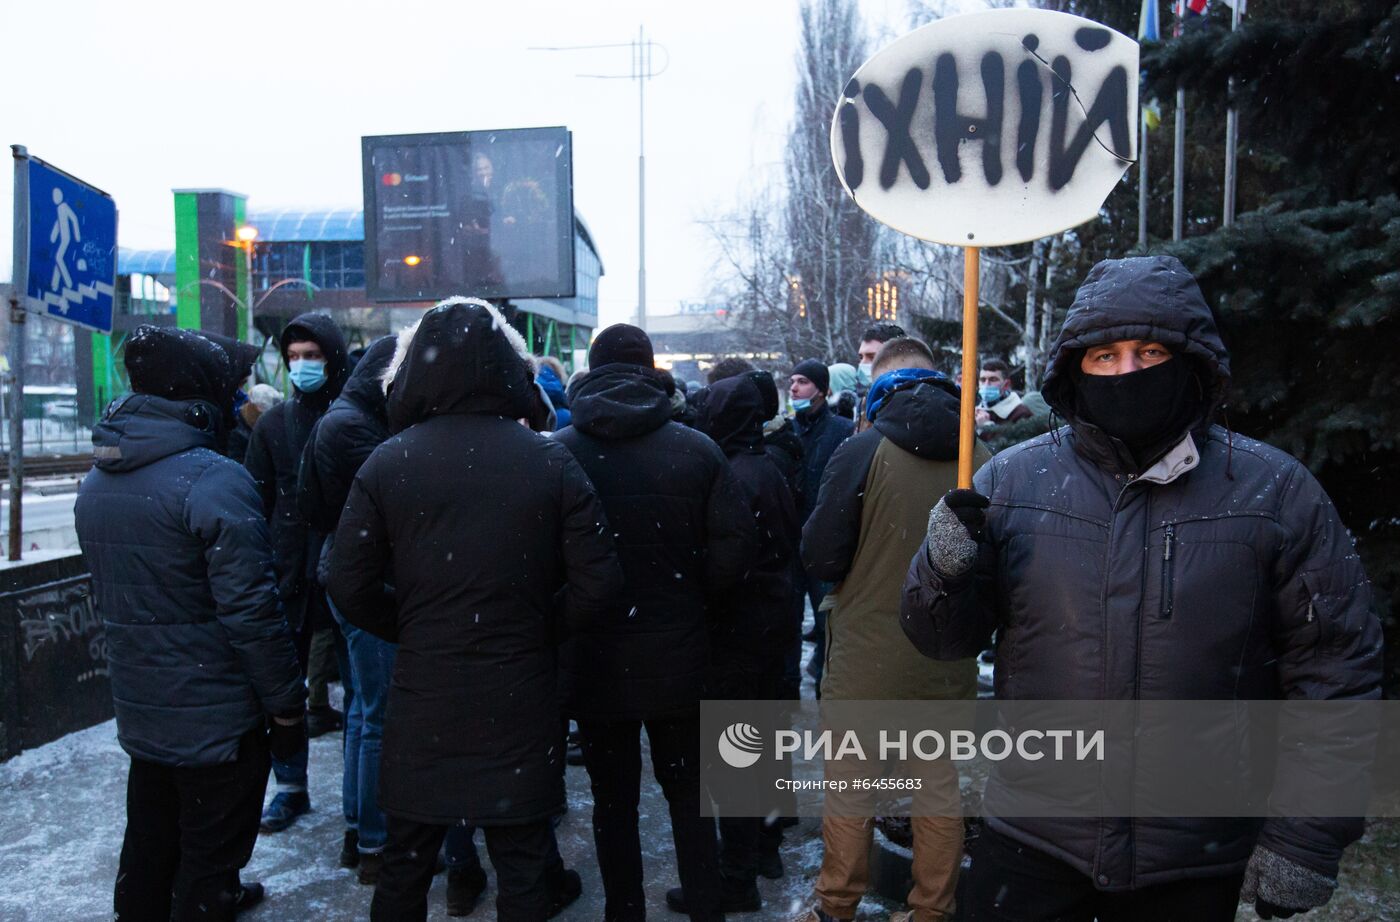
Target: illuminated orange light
{"points": [[412, 260]]}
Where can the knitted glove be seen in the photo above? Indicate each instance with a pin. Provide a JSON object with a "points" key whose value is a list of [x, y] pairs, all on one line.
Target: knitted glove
{"points": [[954, 528], [1279, 888]]}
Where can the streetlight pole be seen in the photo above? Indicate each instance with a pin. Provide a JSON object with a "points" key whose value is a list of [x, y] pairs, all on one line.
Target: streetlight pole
{"points": [[642, 71], [246, 235]]}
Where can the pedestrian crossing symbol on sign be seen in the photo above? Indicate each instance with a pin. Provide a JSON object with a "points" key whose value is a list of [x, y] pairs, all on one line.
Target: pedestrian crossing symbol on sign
{"points": [[72, 249]]}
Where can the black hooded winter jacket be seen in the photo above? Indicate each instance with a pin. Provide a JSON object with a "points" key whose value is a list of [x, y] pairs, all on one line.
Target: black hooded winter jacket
{"points": [[274, 456], [684, 534], [758, 612], [350, 431], [497, 543], [182, 572], [1224, 574]]}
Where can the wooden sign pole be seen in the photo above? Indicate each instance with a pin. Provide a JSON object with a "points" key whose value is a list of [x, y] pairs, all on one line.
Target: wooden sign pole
{"points": [[967, 432]]}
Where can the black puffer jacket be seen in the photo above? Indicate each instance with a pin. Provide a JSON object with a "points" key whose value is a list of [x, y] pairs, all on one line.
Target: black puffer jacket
{"points": [[274, 456], [494, 536], [758, 612], [352, 428], [1223, 572], [182, 568], [821, 431], [685, 537]]}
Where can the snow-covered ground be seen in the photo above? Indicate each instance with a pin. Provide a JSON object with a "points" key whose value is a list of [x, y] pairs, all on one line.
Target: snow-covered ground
{"points": [[64, 814], [61, 832]]}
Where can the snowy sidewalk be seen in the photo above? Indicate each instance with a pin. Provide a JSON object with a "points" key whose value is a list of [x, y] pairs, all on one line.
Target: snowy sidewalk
{"points": [[61, 832]]}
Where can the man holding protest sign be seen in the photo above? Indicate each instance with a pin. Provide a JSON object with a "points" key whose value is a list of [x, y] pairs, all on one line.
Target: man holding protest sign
{"points": [[1171, 560]]}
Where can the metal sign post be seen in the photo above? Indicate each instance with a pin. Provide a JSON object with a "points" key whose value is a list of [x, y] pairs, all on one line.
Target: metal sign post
{"points": [[19, 284]]}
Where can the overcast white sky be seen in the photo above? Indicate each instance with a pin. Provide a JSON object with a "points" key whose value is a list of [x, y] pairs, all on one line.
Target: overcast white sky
{"points": [[270, 99]]}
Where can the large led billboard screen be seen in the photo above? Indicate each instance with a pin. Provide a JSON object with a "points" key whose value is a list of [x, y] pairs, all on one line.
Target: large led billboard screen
{"points": [[486, 214]]}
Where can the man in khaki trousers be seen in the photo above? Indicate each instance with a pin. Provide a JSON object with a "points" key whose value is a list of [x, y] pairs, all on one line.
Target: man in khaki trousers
{"points": [[870, 518]]}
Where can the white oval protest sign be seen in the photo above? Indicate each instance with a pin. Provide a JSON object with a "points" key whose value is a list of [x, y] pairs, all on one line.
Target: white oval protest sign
{"points": [[990, 128]]}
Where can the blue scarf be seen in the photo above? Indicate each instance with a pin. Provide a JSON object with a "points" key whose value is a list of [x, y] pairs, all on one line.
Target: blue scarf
{"points": [[898, 380]]}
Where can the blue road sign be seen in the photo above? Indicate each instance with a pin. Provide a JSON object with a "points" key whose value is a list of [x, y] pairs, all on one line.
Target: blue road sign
{"points": [[72, 249]]}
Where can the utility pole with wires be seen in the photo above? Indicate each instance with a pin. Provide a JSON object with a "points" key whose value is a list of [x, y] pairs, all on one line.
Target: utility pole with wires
{"points": [[642, 70]]}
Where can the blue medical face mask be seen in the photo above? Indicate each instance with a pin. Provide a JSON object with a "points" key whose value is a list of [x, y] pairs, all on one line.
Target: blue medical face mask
{"points": [[308, 374], [799, 405], [864, 371], [990, 395]]}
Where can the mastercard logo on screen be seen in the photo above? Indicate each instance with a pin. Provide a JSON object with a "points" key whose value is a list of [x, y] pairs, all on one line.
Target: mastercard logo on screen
{"points": [[392, 179]]}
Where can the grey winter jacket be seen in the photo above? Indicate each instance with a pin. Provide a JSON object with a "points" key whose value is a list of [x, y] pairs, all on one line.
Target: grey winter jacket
{"points": [[1222, 572], [182, 569]]}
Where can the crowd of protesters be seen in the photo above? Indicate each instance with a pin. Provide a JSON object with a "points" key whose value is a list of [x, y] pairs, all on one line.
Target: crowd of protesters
{"points": [[485, 550]]}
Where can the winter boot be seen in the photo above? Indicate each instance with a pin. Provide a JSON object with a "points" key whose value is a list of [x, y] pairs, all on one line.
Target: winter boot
{"points": [[464, 888], [371, 864], [567, 888], [770, 864], [815, 914], [284, 810], [322, 720], [247, 896], [735, 896], [350, 849]]}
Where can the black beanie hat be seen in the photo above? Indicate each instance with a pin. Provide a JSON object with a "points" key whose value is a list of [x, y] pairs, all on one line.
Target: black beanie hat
{"points": [[813, 370], [621, 342], [178, 365]]}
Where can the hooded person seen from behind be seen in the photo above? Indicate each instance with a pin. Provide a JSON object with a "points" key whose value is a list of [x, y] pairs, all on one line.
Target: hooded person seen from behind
{"points": [[685, 537], [204, 676], [752, 630], [476, 545]]}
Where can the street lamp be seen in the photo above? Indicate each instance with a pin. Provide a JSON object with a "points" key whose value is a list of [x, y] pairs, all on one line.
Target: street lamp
{"points": [[246, 235]]}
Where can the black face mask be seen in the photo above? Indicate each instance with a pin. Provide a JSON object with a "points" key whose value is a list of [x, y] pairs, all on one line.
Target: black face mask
{"points": [[1146, 410]]}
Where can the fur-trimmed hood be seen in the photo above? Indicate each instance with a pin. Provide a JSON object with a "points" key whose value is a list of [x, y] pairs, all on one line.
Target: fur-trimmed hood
{"points": [[463, 356]]}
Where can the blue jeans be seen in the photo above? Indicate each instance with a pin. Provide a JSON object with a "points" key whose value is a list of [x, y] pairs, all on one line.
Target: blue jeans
{"points": [[816, 591], [371, 668]]}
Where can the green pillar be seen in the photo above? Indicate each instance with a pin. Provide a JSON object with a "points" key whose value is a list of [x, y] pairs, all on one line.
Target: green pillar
{"points": [[187, 289], [101, 371], [207, 251]]}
